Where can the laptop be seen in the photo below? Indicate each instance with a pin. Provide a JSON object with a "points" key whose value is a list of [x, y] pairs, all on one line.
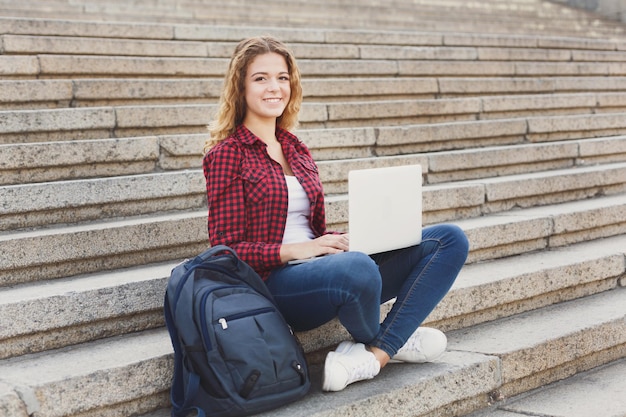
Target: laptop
{"points": [[385, 208]]}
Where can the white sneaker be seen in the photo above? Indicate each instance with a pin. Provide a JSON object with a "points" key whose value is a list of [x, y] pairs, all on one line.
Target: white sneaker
{"points": [[349, 363], [424, 345]]}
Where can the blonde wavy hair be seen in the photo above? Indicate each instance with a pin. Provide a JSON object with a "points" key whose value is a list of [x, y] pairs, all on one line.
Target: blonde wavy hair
{"points": [[232, 105]]}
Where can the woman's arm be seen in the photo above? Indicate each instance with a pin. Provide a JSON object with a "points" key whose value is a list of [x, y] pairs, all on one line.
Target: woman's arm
{"points": [[323, 245], [228, 216]]}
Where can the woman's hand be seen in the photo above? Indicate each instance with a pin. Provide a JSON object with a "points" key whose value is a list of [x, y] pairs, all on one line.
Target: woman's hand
{"points": [[323, 245]]}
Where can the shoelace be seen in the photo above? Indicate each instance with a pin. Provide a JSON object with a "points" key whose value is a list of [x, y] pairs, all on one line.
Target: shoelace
{"points": [[413, 344], [363, 370]]}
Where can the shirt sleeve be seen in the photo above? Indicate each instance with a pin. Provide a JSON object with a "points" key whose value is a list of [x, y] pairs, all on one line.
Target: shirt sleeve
{"points": [[227, 216]]}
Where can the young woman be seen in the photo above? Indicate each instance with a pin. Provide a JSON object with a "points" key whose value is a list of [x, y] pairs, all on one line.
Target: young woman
{"points": [[266, 201]]}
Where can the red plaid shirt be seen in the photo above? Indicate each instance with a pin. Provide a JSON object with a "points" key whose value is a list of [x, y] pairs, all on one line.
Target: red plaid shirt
{"points": [[247, 195]]}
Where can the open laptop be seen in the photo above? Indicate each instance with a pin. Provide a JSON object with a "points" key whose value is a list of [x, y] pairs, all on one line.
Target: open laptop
{"points": [[385, 208]]}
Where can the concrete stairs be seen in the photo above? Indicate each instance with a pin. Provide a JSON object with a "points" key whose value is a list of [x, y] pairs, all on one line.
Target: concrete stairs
{"points": [[487, 16], [521, 134]]}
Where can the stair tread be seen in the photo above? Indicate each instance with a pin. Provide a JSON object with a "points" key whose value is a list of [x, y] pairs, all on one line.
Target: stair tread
{"points": [[467, 349], [583, 395], [533, 328], [77, 193], [524, 21], [497, 281], [48, 367], [74, 285]]}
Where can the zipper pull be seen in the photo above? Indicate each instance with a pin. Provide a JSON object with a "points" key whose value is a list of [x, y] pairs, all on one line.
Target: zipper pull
{"points": [[300, 371], [223, 322]]}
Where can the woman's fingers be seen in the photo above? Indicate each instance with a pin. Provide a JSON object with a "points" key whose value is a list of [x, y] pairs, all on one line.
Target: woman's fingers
{"points": [[337, 242]]}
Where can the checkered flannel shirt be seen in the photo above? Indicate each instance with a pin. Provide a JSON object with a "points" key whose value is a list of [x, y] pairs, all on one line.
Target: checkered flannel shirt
{"points": [[248, 198]]}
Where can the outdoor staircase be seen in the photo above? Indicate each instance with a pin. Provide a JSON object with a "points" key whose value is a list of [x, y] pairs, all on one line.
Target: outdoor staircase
{"points": [[516, 111]]}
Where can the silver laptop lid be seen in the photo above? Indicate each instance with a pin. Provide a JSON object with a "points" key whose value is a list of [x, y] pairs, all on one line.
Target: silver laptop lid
{"points": [[385, 208]]}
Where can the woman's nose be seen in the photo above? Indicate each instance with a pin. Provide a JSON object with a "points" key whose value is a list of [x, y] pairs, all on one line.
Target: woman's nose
{"points": [[272, 85]]}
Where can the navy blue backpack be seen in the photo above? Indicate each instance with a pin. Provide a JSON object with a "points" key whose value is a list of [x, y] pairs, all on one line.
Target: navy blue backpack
{"points": [[234, 354]]}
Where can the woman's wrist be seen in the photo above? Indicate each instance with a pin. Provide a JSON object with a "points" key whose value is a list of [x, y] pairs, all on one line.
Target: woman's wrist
{"points": [[286, 253]]}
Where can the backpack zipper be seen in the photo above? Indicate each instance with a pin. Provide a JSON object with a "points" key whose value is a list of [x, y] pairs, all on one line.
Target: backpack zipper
{"points": [[224, 320], [203, 323], [224, 323]]}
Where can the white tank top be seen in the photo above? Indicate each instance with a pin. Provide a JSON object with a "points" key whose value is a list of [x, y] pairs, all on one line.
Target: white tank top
{"points": [[297, 227]]}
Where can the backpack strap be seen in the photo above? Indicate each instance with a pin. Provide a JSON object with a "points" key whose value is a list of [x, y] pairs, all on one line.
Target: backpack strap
{"points": [[180, 396], [183, 393], [183, 310]]}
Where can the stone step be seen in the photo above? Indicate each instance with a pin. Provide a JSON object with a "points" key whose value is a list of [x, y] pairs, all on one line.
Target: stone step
{"points": [[351, 148], [437, 137], [89, 28], [78, 201], [538, 189], [526, 18], [560, 339], [71, 250], [496, 97], [445, 126], [99, 246], [332, 114], [336, 111], [26, 163], [450, 86], [85, 308], [486, 291], [130, 300], [423, 111], [118, 376], [82, 45], [482, 360], [600, 390], [402, 389], [90, 66], [539, 228], [25, 94], [319, 35], [494, 161], [583, 346], [317, 10], [101, 122]]}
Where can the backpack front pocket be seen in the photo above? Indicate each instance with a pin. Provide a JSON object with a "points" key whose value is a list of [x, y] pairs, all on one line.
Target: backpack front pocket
{"points": [[251, 321]]}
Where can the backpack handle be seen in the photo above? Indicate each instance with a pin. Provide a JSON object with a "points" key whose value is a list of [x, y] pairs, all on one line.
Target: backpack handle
{"points": [[212, 251]]}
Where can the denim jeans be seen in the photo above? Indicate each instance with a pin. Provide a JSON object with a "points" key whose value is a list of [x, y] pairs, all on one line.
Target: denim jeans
{"points": [[352, 285]]}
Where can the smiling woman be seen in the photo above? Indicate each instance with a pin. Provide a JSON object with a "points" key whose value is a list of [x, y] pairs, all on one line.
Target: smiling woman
{"points": [[266, 202]]}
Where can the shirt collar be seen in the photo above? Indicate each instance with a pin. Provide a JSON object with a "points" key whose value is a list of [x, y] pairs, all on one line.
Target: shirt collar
{"points": [[246, 137]]}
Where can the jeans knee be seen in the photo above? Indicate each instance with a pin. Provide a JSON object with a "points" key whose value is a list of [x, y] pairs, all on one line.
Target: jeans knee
{"points": [[359, 274], [452, 237], [458, 237]]}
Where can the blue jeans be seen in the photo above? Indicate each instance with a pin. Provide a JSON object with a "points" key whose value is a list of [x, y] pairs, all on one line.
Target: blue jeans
{"points": [[352, 285]]}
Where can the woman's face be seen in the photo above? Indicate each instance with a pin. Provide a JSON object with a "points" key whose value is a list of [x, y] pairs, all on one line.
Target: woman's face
{"points": [[267, 88]]}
